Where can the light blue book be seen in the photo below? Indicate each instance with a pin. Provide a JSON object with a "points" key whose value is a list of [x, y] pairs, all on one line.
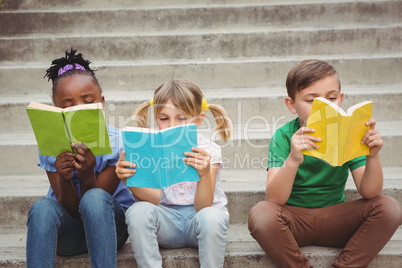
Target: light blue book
{"points": [[158, 155]]}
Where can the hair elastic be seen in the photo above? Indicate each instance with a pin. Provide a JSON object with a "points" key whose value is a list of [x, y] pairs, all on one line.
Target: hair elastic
{"points": [[69, 67], [204, 105]]}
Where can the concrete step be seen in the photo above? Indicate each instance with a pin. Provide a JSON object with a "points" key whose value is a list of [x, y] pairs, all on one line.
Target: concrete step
{"points": [[263, 72], [19, 192], [118, 4], [222, 18], [232, 45], [243, 105], [247, 149], [241, 251]]}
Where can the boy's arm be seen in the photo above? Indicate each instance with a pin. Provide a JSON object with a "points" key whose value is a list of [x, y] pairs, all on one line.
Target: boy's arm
{"points": [[141, 194], [280, 179], [369, 178]]}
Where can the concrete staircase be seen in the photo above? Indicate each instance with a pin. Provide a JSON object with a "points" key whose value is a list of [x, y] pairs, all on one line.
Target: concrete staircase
{"points": [[238, 52]]}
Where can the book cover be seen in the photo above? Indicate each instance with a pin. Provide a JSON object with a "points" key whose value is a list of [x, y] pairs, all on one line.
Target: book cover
{"points": [[56, 129], [158, 155], [340, 132]]}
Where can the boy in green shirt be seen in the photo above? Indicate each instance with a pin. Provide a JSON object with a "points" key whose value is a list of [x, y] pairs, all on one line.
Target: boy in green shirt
{"points": [[305, 196]]}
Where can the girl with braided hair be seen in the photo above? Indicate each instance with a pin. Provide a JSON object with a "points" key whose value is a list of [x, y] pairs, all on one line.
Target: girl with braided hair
{"points": [[84, 210], [186, 214]]}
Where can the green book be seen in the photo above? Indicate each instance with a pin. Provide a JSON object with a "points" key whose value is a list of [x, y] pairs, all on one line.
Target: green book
{"points": [[56, 128]]}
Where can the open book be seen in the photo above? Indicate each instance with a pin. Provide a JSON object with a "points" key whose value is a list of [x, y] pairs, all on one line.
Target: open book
{"points": [[340, 132], [56, 128], [158, 155]]}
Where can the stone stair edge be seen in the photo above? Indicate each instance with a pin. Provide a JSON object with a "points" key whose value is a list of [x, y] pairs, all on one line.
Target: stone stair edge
{"points": [[239, 245], [216, 45], [232, 181], [104, 64], [214, 94], [88, 4], [196, 6], [210, 32]]}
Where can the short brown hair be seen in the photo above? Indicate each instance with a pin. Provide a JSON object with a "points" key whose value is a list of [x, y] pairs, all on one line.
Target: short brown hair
{"points": [[307, 73]]}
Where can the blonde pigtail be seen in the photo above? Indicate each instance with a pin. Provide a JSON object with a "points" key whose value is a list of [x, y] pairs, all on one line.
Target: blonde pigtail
{"points": [[141, 114], [223, 125]]}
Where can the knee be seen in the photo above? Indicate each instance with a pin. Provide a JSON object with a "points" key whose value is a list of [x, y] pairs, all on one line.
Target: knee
{"points": [[264, 216], [140, 213], [212, 220], [44, 213], [389, 209], [95, 201]]}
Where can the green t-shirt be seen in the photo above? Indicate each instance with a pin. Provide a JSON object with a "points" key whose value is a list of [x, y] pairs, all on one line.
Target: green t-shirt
{"points": [[317, 183]]}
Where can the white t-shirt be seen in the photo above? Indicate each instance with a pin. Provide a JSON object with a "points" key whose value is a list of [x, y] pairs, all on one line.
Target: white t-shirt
{"points": [[183, 193]]}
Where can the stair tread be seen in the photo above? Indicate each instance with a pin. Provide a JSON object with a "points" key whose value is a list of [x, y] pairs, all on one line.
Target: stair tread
{"points": [[26, 65], [239, 242]]}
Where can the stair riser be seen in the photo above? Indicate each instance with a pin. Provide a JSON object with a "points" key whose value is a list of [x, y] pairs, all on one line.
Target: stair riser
{"points": [[95, 4], [228, 74], [210, 46], [215, 18], [268, 112], [15, 209], [237, 154], [190, 259]]}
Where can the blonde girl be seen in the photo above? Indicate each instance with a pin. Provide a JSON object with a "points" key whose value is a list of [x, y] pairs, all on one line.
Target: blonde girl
{"points": [[186, 214]]}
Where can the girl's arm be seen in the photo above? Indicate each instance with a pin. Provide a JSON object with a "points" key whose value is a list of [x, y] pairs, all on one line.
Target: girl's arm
{"points": [[62, 185], [200, 160], [280, 179], [141, 194], [369, 179], [85, 165]]}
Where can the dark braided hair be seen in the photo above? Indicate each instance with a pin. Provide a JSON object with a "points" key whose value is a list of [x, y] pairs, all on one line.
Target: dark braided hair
{"points": [[70, 58]]}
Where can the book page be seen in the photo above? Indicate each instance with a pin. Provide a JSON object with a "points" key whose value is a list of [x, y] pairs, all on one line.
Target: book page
{"points": [[41, 106]]}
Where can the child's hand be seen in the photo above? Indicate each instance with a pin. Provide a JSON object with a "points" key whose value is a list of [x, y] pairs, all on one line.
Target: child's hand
{"points": [[372, 138], [199, 159], [84, 161], [65, 165], [121, 168], [302, 141]]}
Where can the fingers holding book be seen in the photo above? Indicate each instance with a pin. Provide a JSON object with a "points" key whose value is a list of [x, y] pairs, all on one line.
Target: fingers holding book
{"points": [[199, 159], [124, 169], [65, 165], [372, 138], [84, 160]]}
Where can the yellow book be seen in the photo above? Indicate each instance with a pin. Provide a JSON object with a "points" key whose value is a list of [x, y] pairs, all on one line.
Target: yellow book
{"points": [[340, 132]]}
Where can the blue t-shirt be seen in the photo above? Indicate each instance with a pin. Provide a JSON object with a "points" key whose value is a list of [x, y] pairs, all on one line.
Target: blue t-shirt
{"points": [[122, 194]]}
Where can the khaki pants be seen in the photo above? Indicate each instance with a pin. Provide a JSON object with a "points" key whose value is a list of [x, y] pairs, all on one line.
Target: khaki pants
{"points": [[361, 227]]}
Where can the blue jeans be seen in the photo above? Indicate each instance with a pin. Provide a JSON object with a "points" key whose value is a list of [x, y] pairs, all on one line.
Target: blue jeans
{"points": [[101, 230], [175, 227]]}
